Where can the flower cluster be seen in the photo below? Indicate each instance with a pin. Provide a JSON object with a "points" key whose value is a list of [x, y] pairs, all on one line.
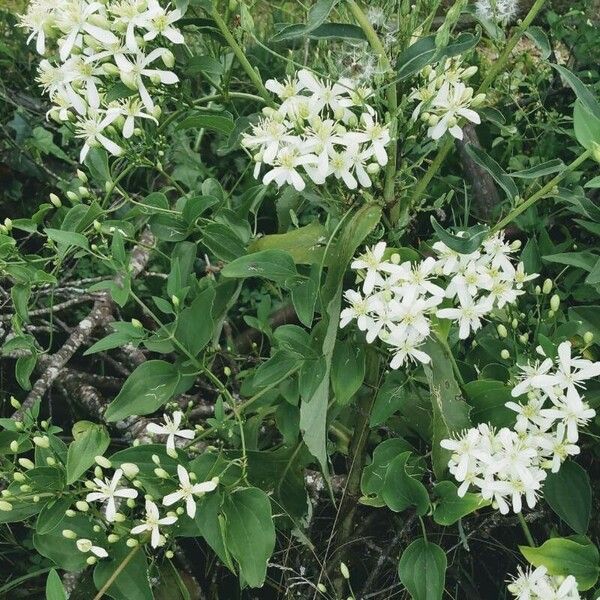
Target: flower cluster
{"points": [[320, 129], [94, 46], [444, 100], [538, 585], [399, 299], [499, 11], [512, 462]]}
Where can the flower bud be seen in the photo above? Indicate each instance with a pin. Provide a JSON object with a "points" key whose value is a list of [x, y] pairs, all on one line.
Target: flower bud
{"points": [[15, 403], [82, 506], [83, 191], [505, 354], [156, 111], [14, 446], [113, 538], [70, 512], [36, 499], [91, 560], [55, 200], [524, 338], [50, 461], [82, 176], [8, 223], [98, 472], [110, 69], [69, 534], [120, 517], [169, 554], [130, 502], [537, 290], [514, 323], [502, 331], [130, 470], [550, 314], [90, 485], [18, 477], [555, 302], [344, 570], [131, 543], [25, 488], [26, 463], [160, 472], [596, 151], [103, 462], [227, 371], [43, 441], [168, 58], [137, 324], [373, 168], [72, 196], [547, 287], [156, 459], [5, 506], [588, 337], [321, 588]]}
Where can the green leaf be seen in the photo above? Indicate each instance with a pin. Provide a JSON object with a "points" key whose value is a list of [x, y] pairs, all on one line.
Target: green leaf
{"points": [[450, 507], [546, 168], [400, 490], [52, 515], [249, 532], [463, 245], [84, 448], [151, 385], [275, 265], [416, 57], [390, 397], [54, 587], [68, 238], [538, 36], [195, 324], [450, 411], [422, 570], [313, 407], [304, 296], [337, 31], [488, 398], [583, 260], [594, 277], [582, 91], [587, 126], [569, 495], [347, 370], [222, 242], [373, 475], [207, 120], [316, 16], [132, 582], [500, 176], [204, 64], [567, 556], [276, 368], [305, 244]]}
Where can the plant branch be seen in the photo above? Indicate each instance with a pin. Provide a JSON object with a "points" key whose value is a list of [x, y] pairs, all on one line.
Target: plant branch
{"points": [[116, 573]]}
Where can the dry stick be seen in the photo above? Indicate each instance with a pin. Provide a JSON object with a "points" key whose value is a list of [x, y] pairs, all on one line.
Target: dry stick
{"points": [[116, 573], [55, 308], [101, 313]]}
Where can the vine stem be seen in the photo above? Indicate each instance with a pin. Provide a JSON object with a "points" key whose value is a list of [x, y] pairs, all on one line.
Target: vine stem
{"points": [[542, 192], [485, 84], [526, 530], [239, 53], [391, 96], [116, 573]]}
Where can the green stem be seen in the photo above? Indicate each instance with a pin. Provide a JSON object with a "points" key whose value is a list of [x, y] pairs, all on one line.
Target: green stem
{"points": [[391, 95], [488, 80], [542, 192], [241, 56], [116, 573], [526, 531], [510, 46]]}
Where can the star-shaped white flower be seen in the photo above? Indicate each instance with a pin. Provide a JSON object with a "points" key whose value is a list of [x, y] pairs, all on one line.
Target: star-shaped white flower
{"points": [[152, 522], [84, 545], [187, 490], [170, 428], [108, 490]]}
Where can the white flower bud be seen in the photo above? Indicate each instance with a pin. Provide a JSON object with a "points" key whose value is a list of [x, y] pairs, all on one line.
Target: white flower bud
{"points": [[82, 176], [8, 223], [131, 543], [70, 512], [5, 506], [91, 560], [160, 472], [15, 403], [14, 446], [69, 534], [103, 462], [524, 338], [505, 354], [55, 200], [42, 441], [502, 331], [72, 196], [373, 168], [344, 570], [156, 459], [50, 461], [588, 337], [120, 517], [130, 502], [137, 324], [547, 287], [113, 538], [130, 470], [26, 463], [18, 476], [169, 554], [25, 488], [555, 302], [36, 499], [514, 323], [168, 58], [82, 506], [98, 472]]}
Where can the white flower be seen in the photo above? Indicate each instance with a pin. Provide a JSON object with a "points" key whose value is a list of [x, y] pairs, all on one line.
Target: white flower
{"points": [[469, 314], [524, 586], [407, 348], [170, 428], [286, 170], [452, 102], [90, 129], [188, 490], [84, 545], [358, 310], [135, 68], [39, 18], [131, 109], [271, 135], [535, 377], [73, 19], [324, 94], [501, 11], [573, 371], [572, 411], [108, 490], [372, 261], [152, 522], [558, 447], [161, 23]]}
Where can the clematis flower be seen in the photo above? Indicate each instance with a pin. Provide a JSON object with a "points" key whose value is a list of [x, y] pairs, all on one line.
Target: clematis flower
{"points": [[152, 523], [108, 490]]}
